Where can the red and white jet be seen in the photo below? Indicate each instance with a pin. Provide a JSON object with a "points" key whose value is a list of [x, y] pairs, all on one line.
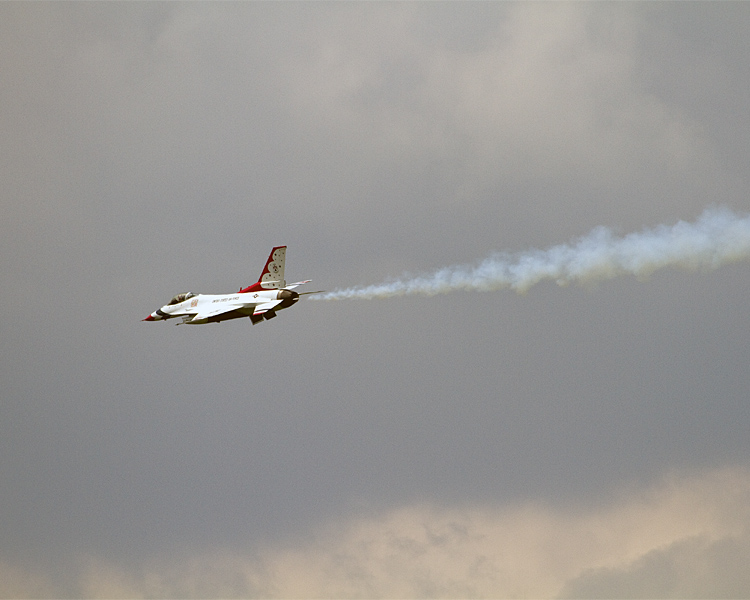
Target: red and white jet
{"points": [[258, 302]]}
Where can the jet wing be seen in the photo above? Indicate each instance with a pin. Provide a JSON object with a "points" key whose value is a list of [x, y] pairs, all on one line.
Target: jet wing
{"points": [[250, 308], [224, 308]]}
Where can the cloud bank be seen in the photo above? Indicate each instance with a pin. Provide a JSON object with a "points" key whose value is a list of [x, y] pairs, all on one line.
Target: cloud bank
{"points": [[685, 536]]}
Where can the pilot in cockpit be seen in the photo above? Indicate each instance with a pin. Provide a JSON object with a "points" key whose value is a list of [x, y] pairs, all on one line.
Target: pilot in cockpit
{"points": [[181, 298]]}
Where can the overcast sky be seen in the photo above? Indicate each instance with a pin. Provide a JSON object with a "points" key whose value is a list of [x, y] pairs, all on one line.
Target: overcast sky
{"points": [[569, 441]]}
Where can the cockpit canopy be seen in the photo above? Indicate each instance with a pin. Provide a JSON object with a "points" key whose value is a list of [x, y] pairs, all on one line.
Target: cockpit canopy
{"points": [[181, 298]]}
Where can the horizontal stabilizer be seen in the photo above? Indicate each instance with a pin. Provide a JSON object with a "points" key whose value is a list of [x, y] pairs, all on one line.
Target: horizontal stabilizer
{"points": [[294, 285]]}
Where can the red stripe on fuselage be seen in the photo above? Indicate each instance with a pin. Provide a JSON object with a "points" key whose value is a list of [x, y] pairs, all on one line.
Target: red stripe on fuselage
{"points": [[256, 287]]}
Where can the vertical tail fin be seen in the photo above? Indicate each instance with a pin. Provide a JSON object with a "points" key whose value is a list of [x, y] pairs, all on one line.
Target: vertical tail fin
{"points": [[272, 276], [273, 273]]}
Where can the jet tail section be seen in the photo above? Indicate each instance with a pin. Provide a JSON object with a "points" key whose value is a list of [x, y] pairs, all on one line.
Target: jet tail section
{"points": [[272, 277]]}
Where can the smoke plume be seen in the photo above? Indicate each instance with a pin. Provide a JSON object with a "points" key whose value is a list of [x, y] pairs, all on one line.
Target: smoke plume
{"points": [[718, 237]]}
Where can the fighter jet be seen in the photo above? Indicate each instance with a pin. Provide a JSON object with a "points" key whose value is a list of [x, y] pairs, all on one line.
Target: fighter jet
{"points": [[258, 302]]}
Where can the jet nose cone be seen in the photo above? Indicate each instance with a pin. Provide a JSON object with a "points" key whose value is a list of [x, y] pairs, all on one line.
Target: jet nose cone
{"points": [[149, 318]]}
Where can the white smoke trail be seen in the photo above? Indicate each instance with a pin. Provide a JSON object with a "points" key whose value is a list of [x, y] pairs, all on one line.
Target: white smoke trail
{"points": [[718, 237]]}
